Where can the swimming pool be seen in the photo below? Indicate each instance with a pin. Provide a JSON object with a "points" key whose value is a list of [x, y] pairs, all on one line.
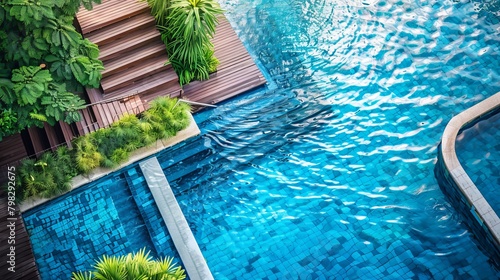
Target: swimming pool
{"points": [[328, 171]]}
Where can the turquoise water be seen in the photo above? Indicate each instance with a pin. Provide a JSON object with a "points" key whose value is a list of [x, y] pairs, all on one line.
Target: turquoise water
{"points": [[478, 150], [327, 172]]}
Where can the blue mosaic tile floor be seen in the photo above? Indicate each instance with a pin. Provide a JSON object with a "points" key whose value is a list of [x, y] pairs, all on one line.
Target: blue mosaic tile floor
{"points": [[102, 218], [478, 150]]}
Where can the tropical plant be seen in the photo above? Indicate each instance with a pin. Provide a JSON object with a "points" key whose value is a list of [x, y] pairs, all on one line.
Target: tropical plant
{"points": [[51, 173], [31, 97], [111, 146], [135, 266], [46, 177], [86, 155], [166, 116], [187, 26], [43, 59]]}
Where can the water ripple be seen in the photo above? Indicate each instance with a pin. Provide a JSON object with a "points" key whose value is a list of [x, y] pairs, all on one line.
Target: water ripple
{"points": [[335, 159]]}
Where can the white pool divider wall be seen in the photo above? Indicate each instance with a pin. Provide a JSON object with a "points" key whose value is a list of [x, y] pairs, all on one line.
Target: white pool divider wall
{"points": [[178, 228]]}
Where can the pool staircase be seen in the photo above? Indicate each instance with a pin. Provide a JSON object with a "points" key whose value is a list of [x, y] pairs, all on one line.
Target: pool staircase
{"points": [[157, 230], [129, 214], [191, 162]]}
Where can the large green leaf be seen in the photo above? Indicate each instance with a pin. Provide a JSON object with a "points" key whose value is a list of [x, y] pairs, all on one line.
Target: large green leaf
{"points": [[30, 83], [61, 33], [30, 11], [7, 91]]}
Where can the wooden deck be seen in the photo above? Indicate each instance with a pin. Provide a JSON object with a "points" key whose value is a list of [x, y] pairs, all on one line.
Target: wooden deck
{"points": [[133, 56], [12, 149], [25, 266], [236, 74]]}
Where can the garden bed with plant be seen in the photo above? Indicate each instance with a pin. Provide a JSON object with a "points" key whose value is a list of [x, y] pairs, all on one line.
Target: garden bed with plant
{"points": [[187, 27], [51, 174]]}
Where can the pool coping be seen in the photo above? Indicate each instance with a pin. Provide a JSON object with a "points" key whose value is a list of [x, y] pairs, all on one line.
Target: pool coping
{"points": [[186, 245], [139, 154], [482, 208]]}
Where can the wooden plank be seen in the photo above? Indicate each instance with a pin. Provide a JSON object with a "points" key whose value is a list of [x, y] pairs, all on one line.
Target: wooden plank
{"points": [[25, 261], [123, 107], [108, 13], [67, 133], [151, 50], [89, 122], [146, 67], [12, 149], [51, 135], [109, 116], [135, 39], [35, 139], [112, 111], [106, 35], [147, 84], [103, 121]]}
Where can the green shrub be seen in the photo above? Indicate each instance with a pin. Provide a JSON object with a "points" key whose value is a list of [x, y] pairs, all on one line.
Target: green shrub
{"points": [[187, 26], [44, 59], [86, 154], [132, 266], [51, 174], [46, 177], [111, 146]]}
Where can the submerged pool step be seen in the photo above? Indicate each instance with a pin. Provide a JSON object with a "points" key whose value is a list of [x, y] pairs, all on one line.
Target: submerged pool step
{"points": [[199, 176], [156, 228], [255, 105], [183, 150], [180, 169], [129, 215]]}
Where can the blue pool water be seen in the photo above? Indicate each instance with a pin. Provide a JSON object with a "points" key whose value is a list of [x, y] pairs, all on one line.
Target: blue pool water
{"points": [[327, 172], [478, 150]]}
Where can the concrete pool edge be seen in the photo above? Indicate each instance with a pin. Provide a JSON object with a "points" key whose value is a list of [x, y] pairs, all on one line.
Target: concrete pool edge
{"points": [[476, 200], [80, 180], [178, 228]]}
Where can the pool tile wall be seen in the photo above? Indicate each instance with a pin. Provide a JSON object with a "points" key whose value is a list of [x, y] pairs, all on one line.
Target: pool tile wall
{"points": [[482, 234], [478, 150], [459, 187]]}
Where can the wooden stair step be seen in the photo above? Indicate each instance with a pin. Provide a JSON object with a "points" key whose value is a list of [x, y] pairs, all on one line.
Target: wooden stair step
{"points": [[113, 66], [135, 72], [156, 82], [121, 29], [135, 40], [109, 12]]}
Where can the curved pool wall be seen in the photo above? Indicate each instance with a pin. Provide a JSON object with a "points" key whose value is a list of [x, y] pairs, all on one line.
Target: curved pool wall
{"points": [[456, 183], [478, 151]]}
